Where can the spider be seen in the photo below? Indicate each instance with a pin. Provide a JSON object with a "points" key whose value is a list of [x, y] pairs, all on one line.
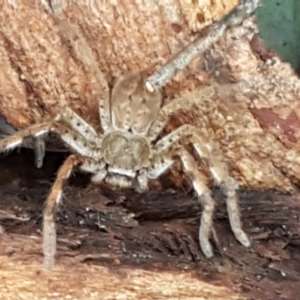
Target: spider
{"points": [[128, 154], [129, 151]]}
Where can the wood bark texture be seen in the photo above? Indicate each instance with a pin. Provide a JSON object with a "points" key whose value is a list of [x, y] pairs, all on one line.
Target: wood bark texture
{"points": [[250, 112], [73, 280], [124, 245], [52, 60]]}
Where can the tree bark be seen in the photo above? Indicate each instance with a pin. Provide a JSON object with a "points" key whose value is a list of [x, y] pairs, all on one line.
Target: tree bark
{"points": [[55, 58], [47, 56], [22, 278]]}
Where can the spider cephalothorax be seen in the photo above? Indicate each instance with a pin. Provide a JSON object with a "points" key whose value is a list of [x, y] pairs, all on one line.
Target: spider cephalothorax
{"points": [[124, 152], [128, 153]]}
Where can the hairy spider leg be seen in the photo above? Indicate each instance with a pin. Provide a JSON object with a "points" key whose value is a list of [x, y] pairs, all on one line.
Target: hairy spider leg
{"points": [[188, 134], [243, 10], [39, 148], [104, 107], [162, 161], [86, 56], [69, 136], [204, 93], [55, 196], [142, 181], [78, 124], [53, 200], [220, 173], [175, 105], [97, 168], [156, 127], [35, 131]]}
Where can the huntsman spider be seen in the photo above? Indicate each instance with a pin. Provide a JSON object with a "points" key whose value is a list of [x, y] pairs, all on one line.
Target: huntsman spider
{"points": [[128, 152]]}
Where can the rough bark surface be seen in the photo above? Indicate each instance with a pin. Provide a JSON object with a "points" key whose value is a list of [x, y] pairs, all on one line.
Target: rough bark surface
{"points": [[123, 245], [54, 58]]}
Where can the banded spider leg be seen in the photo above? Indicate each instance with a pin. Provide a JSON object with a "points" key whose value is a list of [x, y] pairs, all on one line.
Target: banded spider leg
{"points": [[164, 158], [181, 60], [80, 137]]}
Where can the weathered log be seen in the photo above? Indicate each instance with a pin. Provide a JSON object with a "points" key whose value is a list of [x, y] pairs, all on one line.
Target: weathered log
{"points": [[124, 245]]}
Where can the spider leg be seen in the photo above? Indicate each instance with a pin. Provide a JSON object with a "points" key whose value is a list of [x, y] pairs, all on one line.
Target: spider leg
{"points": [[35, 131], [85, 55], [39, 149], [69, 136], [37, 144], [56, 6], [188, 134], [234, 18], [142, 181], [78, 124], [167, 110], [77, 143], [198, 97], [163, 161], [156, 127], [219, 171], [53, 200], [163, 115], [104, 104], [97, 168]]}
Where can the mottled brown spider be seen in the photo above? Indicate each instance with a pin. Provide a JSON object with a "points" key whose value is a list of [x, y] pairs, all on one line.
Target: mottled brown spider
{"points": [[128, 152]]}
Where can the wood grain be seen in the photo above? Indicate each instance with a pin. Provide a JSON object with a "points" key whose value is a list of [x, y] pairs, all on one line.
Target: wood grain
{"points": [[124, 245]]}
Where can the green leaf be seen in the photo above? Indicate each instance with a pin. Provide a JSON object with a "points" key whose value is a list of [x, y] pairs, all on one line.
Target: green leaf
{"points": [[279, 27]]}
